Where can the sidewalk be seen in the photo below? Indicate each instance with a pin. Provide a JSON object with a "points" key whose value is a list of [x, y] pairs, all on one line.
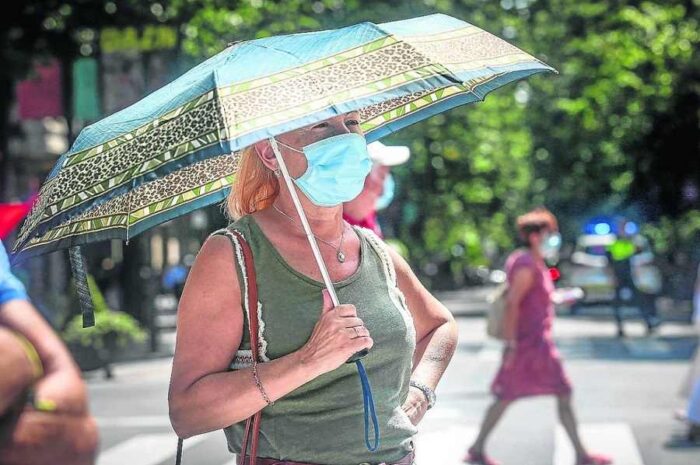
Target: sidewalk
{"points": [[473, 302], [468, 302]]}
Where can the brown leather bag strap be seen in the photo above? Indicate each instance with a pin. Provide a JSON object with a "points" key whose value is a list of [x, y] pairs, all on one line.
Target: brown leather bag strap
{"points": [[252, 427]]}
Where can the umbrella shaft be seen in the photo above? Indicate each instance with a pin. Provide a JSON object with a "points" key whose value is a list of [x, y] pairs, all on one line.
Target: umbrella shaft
{"points": [[305, 223]]}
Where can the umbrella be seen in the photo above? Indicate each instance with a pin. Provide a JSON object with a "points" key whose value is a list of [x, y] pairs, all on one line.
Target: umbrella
{"points": [[171, 152], [177, 149]]}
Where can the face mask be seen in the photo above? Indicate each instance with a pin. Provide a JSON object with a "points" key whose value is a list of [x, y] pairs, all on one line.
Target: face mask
{"points": [[551, 243], [336, 171], [387, 193]]}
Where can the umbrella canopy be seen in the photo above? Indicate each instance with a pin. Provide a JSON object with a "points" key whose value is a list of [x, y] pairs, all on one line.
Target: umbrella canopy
{"points": [[177, 149]]}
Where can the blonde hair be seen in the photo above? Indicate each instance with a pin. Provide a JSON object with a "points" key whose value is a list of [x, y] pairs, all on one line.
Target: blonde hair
{"points": [[254, 188]]}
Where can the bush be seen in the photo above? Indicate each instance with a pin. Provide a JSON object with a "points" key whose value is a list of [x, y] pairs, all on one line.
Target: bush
{"points": [[114, 325]]}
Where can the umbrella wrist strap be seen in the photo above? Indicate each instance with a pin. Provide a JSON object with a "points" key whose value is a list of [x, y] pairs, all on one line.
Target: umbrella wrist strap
{"points": [[369, 408], [79, 270]]}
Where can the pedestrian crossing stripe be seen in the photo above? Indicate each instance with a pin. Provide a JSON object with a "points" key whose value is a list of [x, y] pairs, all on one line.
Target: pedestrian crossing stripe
{"points": [[615, 440], [138, 421], [444, 445], [146, 449]]}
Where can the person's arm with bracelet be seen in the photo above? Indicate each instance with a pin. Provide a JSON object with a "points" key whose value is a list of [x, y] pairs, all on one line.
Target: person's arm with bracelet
{"points": [[60, 386], [55, 424], [436, 339]]}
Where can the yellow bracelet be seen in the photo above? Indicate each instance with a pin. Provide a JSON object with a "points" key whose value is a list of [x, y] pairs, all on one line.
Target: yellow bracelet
{"points": [[32, 355], [42, 405]]}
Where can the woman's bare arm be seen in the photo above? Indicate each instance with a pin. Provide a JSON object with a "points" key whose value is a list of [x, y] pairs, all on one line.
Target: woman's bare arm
{"points": [[436, 331]]}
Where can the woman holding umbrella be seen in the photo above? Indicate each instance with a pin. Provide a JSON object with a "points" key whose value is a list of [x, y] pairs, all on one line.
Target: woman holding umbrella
{"points": [[310, 396]]}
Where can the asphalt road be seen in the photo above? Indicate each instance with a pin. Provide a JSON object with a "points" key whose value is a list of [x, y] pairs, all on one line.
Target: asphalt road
{"points": [[625, 393]]}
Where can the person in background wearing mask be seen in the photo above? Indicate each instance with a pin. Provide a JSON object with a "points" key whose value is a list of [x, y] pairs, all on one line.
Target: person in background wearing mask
{"points": [[378, 191], [620, 255], [531, 364], [44, 414]]}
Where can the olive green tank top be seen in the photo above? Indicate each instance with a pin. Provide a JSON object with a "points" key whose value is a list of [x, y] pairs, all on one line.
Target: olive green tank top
{"points": [[322, 421]]}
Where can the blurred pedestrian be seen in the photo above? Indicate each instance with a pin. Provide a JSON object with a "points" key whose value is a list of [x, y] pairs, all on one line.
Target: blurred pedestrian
{"points": [[531, 364], [694, 371], [44, 414], [620, 255], [174, 279], [693, 433], [694, 399], [691, 386], [378, 190]]}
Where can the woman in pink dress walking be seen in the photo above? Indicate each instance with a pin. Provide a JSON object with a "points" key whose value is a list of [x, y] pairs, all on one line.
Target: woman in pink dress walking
{"points": [[531, 364]]}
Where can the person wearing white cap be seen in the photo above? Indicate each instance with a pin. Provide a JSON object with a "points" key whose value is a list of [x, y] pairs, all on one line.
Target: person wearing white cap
{"points": [[378, 191]]}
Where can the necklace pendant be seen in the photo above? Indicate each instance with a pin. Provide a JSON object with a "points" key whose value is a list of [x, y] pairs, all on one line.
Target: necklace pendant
{"points": [[341, 256]]}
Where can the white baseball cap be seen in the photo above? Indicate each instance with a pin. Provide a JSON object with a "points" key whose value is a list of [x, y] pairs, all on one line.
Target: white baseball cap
{"points": [[388, 155]]}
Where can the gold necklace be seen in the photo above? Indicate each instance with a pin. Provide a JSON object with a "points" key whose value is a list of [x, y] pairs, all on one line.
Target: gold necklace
{"points": [[338, 252]]}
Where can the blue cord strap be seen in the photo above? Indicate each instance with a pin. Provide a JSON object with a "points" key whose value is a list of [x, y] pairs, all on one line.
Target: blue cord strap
{"points": [[369, 408]]}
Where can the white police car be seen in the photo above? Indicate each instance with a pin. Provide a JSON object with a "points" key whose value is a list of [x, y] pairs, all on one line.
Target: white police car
{"points": [[589, 266]]}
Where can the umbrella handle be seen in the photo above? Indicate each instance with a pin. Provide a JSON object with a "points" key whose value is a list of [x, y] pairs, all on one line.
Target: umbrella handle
{"points": [[309, 235]]}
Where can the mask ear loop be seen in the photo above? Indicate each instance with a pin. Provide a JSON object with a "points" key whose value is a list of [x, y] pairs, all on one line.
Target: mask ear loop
{"points": [[368, 401]]}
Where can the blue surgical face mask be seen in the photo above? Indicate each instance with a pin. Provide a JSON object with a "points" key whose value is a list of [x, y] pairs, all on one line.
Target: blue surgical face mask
{"points": [[336, 171], [387, 193]]}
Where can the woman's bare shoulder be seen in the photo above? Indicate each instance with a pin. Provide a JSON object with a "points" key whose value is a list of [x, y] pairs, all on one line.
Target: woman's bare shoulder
{"points": [[213, 274], [217, 254]]}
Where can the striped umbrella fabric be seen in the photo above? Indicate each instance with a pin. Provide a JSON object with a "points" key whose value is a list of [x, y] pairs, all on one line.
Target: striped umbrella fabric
{"points": [[177, 149]]}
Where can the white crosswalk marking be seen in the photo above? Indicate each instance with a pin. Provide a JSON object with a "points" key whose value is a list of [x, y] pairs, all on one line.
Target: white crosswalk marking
{"points": [[439, 444], [445, 446], [134, 421], [615, 440], [648, 348], [145, 449], [491, 351]]}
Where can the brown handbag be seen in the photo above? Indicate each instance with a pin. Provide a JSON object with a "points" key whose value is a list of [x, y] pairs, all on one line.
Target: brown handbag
{"points": [[252, 425]]}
